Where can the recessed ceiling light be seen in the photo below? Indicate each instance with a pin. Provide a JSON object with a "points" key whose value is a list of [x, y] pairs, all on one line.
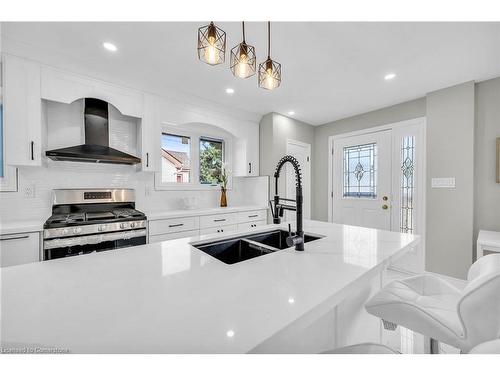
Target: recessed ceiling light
{"points": [[110, 46], [390, 76], [291, 113], [229, 91], [230, 333]]}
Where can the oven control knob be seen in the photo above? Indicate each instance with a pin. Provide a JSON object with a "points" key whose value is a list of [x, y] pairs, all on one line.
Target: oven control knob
{"points": [[123, 225], [101, 227], [64, 231], [77, 230], [133, 224]]}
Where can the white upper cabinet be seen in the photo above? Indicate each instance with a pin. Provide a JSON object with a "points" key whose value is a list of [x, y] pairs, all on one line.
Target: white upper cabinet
{"points": [[22, 112], [247, 154], [149, 133], [67, 87]]}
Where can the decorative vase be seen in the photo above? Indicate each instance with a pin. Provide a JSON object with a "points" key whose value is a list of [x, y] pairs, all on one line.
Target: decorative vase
{"points": [[223, 198]]}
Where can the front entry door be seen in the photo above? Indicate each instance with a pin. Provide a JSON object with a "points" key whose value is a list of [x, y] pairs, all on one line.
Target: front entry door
{"points": [[362, 180]]}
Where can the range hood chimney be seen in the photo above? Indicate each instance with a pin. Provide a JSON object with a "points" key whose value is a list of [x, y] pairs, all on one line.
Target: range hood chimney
{"points": [[96, 148]]}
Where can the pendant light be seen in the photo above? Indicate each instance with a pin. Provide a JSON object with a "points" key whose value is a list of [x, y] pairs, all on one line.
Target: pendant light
{"points": [[243, 60], [269, 70], [211, 44]]}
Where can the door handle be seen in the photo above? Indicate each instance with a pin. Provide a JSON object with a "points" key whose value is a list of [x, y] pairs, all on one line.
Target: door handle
{"points": [[385, 207], [384, 198]]}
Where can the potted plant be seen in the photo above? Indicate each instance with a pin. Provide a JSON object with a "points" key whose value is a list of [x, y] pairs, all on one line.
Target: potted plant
{"points": [[223, 180]]}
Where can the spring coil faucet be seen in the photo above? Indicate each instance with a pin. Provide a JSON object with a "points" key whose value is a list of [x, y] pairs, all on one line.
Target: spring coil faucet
{"points": [[277, 211]]}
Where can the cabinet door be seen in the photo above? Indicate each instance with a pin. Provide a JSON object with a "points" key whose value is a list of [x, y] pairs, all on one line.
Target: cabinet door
{"points": [[218, 220], [256, 215], [19, 248], [173, 225], [221, 229], [22, 112], [173, 236], [150, 133], [251, 225]]}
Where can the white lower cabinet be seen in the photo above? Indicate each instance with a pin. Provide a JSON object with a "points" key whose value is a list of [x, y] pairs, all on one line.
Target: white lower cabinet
{"points": [[221, 229], [218, 220], [173, 228], [173, 236], [19, 248], [251, 225], [174, 225]]}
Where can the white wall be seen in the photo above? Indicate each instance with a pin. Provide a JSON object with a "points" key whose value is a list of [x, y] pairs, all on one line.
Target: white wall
{"points": [[450, 153], [275, 130], [486, 189]]}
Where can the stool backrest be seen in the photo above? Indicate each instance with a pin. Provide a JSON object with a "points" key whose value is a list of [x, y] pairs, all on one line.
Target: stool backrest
{"points": [[479, 306]]}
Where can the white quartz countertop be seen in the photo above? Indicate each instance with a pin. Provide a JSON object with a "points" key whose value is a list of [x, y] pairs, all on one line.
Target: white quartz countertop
{"points": [[170, 297], [157, 215], [21, 226]]}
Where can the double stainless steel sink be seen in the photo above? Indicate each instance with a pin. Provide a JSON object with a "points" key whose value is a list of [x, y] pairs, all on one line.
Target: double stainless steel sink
{"points": [[239, 249]]}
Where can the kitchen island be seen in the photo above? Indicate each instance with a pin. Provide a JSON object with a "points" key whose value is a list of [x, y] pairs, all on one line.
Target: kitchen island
{"points": [[170, 297]]}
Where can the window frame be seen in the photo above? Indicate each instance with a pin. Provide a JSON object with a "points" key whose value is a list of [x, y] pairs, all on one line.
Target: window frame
{"points": [[195, 136]]}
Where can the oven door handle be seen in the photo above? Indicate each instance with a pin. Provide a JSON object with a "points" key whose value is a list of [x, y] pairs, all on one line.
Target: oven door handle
{"points": [[92, 239]]}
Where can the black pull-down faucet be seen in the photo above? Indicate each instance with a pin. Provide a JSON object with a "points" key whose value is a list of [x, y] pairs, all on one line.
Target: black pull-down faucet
{"points": [[296, 240]]}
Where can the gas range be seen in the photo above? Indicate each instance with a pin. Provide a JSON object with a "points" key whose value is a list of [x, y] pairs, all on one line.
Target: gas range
{"points": [[89, 220]]}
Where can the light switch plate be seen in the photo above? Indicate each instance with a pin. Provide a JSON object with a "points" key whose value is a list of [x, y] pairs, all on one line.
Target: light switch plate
{"points": [[443, 182], [29, 191]]}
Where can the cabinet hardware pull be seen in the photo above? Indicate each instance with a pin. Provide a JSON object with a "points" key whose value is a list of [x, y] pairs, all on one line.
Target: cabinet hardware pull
{"points": [[253, 215], [175, 225], [249, 167], [147, 159], [14, 238], [216, 220], [32, 150]]}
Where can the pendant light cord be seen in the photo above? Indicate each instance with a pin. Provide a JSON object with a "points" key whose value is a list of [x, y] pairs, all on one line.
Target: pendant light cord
{"points": [[268, 39], [243, 25]]}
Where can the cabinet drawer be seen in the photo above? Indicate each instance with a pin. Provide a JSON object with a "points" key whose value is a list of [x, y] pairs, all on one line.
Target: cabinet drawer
{"points": [[19, 248], [180, 224], [220, 229], [173, 236], [256, 215], [217, 220], [251, 225]]}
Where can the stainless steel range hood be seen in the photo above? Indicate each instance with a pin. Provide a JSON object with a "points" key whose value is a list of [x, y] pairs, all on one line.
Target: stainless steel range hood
{"points": [[96, 148]]}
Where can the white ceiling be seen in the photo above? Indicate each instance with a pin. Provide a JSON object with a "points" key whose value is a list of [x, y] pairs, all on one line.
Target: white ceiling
{"points": [[330, 70]]}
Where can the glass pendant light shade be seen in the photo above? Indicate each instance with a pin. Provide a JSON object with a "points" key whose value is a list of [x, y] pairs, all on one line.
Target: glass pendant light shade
{"points": [[211, 44], [243, 59], [269, 70], [269, 74]]}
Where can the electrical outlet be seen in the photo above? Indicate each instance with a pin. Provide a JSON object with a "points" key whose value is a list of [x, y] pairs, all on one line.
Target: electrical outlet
{"points": [[29, 191]]}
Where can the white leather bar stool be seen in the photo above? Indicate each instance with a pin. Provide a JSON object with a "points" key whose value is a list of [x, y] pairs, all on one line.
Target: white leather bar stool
{"points": [[488, 347], [430, 305]]}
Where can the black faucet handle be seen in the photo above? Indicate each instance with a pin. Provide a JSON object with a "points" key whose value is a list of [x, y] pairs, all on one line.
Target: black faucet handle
{"points": [[289, 230]]}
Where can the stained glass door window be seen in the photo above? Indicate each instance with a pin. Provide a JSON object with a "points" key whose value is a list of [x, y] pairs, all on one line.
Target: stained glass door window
{"points": [[360, 167], [407, 184]]}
